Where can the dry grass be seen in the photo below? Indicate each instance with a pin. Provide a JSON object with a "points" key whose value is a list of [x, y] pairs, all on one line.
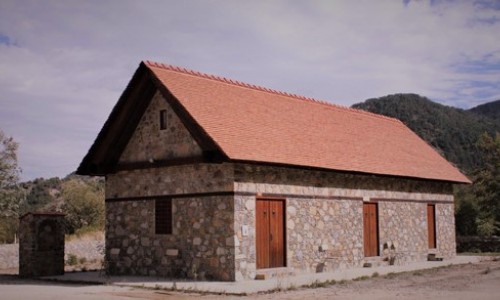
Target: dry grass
{"points": [[97, 235]]}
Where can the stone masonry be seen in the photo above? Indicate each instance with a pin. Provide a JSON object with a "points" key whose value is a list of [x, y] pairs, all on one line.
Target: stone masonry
{"points": [[148, 142], [324, 210], [214, 211], [41, 245], [201, 246]]}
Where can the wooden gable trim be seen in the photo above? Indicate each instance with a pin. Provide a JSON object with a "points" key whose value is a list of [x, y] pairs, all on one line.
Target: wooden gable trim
{"points": [[117, 127], [139, 102], [428, 201], [172, 196], [159, 163], [312, 168]]}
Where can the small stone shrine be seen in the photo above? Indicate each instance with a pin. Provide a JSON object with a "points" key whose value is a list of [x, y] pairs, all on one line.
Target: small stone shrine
{"points": [[41, 244]]}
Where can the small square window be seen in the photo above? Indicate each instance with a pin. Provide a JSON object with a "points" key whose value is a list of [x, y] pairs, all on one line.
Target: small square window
{"points": [[163, 216], [163, 119]]}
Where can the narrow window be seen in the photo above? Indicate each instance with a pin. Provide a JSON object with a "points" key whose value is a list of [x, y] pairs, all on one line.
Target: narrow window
{"points": [[163, 216], [431, 225], [163, 119]]}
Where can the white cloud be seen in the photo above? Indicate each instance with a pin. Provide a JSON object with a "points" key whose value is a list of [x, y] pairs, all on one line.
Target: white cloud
{"points": [[68, 62]]}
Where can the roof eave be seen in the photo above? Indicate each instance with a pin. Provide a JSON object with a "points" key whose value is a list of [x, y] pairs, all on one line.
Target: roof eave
{"points": [[94, 161], [444, 180]]}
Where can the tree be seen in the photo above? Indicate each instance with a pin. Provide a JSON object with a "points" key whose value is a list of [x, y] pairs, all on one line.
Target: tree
{"points": [[466, 211], [477, 207], [9, 170], [10, 193], [487, 186], [83, 205]]}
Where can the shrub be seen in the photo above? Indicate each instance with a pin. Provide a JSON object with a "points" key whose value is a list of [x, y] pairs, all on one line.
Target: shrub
{"points": [[72, 260]]}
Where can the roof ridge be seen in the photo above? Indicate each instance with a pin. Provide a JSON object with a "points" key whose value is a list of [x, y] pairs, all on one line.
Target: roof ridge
{"points": [[264, 89]]}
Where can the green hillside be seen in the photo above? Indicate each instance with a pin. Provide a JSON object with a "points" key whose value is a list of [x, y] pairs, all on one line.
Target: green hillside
{"points": [[490, 110]]}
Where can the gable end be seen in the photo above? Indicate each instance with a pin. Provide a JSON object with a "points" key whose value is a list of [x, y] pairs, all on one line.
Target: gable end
{"points": [[104, 155], [160, 135]]}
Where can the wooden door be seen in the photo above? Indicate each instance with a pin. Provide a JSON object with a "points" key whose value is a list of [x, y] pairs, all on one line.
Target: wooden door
{"points": [[277, 233], [431, 225], [370, 231], [270, 233], [262, 234]]}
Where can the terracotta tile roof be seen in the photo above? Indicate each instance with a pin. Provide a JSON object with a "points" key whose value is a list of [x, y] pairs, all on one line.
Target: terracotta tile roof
{"points": [[253, 123]]}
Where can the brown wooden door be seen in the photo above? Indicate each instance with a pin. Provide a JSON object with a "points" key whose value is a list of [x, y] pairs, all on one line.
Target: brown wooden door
{"points": [[370, 224], [431, 225], [270, 233], [262, 234]]}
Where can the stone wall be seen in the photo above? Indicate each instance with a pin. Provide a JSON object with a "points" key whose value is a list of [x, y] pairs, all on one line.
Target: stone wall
{"points": [[196, 178], [200, 247], [266, 179], [245, 256], [202, 243], [404, 225], [445, 230], [41, 245], [325, 209], [214, 233], [148, 142], [313, 224]]}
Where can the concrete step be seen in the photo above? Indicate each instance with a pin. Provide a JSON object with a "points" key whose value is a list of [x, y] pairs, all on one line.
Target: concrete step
{"points": [[433, 257], [372, 262], [264, 274]]}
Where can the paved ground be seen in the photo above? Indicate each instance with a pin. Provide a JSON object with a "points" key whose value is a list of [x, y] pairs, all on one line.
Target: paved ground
{"points": [[257, 286], [12, 287], [479, 280]]}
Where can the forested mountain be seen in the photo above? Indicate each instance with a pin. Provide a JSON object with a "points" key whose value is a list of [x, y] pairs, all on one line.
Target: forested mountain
{"points": [[452, 131], [490, 110]]}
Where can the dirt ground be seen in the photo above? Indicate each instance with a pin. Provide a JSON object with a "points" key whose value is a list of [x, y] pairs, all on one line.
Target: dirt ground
{"points": [[471, 281]]}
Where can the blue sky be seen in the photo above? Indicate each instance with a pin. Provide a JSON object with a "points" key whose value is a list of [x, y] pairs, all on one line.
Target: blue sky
{"points": [[64, 64]]}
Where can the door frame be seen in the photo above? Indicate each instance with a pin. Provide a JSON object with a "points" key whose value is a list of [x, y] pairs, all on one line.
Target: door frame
{"points": [[284, 237]]}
